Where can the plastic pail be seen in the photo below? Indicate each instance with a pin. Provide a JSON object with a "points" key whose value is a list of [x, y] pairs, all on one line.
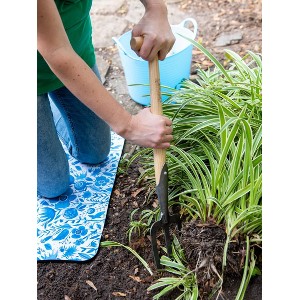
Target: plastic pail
{"points": [[173, 69]]}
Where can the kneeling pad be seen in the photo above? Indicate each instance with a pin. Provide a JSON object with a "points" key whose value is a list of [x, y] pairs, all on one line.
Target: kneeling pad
{"points": [[70, 226]]}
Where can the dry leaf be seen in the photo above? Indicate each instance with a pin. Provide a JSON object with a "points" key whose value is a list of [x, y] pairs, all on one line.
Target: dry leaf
{"points": [[154, 204], [212, 266], [194, 52], [67, 297], [207, 63], [117, 193], [134, 194], [203, 263], [91, 284], [119, 294], [136, 278], [124, 201]]}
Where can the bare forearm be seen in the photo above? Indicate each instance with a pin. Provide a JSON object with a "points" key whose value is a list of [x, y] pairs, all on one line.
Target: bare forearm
{"points": [[84, 84], [144, 129], [148, 4]]}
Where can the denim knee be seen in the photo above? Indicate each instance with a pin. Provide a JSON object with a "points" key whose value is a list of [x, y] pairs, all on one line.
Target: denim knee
{"points": [[55, 182], [54, 189], [96, 156]]}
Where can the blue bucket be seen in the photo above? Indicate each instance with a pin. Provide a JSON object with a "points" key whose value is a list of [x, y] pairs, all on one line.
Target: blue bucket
{"points": [[173, 69]]}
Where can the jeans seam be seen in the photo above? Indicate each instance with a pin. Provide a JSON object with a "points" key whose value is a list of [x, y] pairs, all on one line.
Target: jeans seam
{"points": [[71, 125]]}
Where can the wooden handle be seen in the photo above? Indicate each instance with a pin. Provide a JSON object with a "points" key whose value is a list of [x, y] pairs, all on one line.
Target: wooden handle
{"points": [[156, 108], [136, 43], [156, 105]]}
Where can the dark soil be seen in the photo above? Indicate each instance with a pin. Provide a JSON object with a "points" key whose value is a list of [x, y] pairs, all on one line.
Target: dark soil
{"points": [[115, 273]]}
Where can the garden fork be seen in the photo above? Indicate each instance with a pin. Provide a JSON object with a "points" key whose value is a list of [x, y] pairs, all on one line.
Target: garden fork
{"points": [[160, 166]]}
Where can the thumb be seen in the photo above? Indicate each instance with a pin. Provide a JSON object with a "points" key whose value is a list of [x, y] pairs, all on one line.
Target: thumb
{"points": [[136, 32]]}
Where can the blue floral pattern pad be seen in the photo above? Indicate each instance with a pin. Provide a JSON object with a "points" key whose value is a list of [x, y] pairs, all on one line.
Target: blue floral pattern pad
{"points": [[69, 227]]}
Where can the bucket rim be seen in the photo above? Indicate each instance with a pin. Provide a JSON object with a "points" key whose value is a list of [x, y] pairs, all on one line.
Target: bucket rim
{"points": [[180, 25]]}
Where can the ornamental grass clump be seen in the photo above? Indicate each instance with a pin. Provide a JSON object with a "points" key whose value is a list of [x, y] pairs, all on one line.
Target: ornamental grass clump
{"points": [[215, 161]]}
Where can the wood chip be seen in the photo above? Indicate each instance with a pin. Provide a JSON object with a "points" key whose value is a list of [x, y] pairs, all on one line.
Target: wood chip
{"points": [[117, 193], [67, 297], [212, 266], [119, 294], [124, 201], [194, 52], [135, 193], [155, 204], [135, 278], [207, 63], [91, 284]]}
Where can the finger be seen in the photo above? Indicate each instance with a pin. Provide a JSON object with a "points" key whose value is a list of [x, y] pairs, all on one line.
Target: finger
{"points": [[168, 130], [163, 53], [135, 33], [162, 145], [163, 142], [168, 138], [147, 48], [166, 48], [154, 52], [168, 122]]}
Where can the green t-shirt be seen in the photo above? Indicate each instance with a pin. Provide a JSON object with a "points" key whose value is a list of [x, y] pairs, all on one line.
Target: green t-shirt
{"points": [[75, 16]]}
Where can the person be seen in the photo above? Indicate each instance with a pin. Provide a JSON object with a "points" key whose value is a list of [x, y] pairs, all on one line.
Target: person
{"points": [[72, 104]]}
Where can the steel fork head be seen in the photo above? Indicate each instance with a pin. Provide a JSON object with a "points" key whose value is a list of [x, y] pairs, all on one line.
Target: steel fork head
{"points": [[158, 225], [165, 218]]}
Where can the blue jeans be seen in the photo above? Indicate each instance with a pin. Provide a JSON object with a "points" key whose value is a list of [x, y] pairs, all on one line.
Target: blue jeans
{"points": [[61, 116]]}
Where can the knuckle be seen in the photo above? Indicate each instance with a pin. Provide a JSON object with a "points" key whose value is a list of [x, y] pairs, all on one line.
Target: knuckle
{"points": [[152, 38]]}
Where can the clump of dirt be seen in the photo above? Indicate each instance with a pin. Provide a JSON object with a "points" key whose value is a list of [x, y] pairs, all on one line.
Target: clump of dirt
{"points": [[203, 245]]}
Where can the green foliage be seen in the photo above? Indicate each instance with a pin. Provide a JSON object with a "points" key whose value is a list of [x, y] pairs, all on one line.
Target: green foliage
{"points": [[142, 225], [123, 164], [116, 244], [185, 280], [215, 162]]}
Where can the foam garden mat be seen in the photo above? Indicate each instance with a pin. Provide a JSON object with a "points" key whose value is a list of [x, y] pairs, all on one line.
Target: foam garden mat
{"points": [[69, 227]]}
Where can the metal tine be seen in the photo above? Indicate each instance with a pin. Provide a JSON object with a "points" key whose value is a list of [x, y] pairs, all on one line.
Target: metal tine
{"points": [[173, 219], [158, 225], [154, 228], [176, 220], [166, 231]]}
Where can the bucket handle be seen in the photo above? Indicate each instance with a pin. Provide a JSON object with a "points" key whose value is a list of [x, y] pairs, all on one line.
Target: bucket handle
{"points": [[193, 21], [116, 40], [120, 46]]}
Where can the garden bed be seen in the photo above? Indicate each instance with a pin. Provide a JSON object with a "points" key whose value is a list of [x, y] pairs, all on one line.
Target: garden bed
{"points": [[115, 273]]}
